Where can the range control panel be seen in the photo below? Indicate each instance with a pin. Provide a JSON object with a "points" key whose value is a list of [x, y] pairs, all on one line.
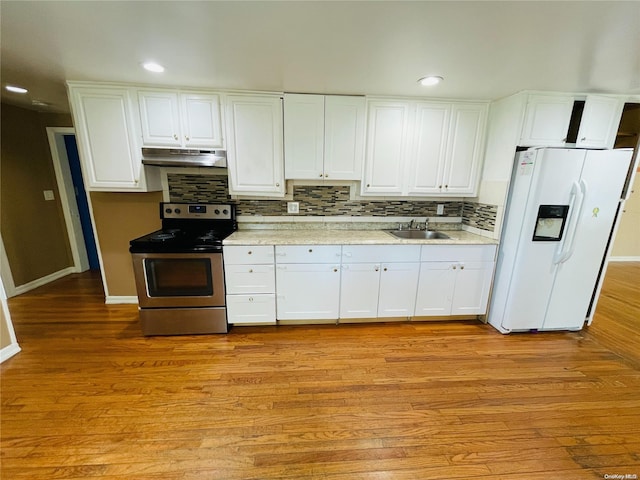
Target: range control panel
{"points": [[209, 211]]}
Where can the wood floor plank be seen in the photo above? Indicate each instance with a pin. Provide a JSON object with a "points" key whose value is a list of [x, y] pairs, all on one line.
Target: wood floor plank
{"points": [[90, 397]]}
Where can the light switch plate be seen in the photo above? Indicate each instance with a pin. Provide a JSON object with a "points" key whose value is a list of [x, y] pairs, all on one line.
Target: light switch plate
{"points": [[48, 195], [440, 210], [293, 207]]}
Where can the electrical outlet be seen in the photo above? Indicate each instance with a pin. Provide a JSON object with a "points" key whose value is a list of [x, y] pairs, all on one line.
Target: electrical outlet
{"points": [[48, 195], [293, 207], [440, 210]]}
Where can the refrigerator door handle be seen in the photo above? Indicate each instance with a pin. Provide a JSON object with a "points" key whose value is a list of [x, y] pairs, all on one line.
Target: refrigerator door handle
{"points": [[566, 255], [574, 202]]}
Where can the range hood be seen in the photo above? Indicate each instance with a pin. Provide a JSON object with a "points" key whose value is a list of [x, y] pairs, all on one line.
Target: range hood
{"points": [[180, 157]]}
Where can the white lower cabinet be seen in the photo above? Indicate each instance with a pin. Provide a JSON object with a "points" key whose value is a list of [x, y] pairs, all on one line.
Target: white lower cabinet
{"points": [[360, 285], [308, 282], [379, 280], [455, 280], [266, 284], [308, 291], [250, 284], [398, 284]]}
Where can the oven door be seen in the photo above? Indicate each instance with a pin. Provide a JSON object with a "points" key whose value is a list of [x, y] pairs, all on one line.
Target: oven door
{"points": [[165, 280]]}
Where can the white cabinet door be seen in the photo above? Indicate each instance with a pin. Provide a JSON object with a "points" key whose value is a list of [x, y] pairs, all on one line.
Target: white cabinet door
{"points": [[359, 286], [547, 120], [107, 133], [170, 118], [251, 309], [398, 285], [429, 148], [254, 145], [323, 137], [464, 149], [304, 136], [201, 122], [435, 289], [600, 120], [249, 279], [160, 118], [307, 291], [386, 147], [344, 125], [473, 280]]}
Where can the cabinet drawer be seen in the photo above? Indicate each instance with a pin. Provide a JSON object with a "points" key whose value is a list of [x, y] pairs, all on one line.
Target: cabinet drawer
{"points": [[380, 253], [251, 309], [308, 253], [250, 279], [246, 255], [458, 253]]}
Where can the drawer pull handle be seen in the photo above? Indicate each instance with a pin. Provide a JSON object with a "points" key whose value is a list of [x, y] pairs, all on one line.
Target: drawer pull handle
{"points": [[250, 252], [251, 299], [251, 270]]}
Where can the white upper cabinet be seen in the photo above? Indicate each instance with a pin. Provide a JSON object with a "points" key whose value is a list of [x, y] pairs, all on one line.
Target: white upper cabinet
{"points": [[303, 136], [424, 148], [387, 147], [108, 137], [180, 119], [547, 120], [600, 121], [323, 137], [464, 149], [429, 148], [447, 148], [558, 120], [255, 145]]}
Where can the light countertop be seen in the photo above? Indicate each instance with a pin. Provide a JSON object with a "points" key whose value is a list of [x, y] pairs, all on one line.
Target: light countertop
{"points": [[346, 237]]}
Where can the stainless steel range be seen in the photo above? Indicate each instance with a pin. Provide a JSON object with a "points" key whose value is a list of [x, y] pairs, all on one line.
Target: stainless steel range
{"points": [[179, 271]]}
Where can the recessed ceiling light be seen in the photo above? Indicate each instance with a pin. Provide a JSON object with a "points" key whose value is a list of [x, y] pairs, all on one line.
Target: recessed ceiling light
{"points": [[430, 81], [14, 89], [153, 67]]}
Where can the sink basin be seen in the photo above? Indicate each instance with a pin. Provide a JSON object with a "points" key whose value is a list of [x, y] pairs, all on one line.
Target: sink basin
{"points": [[419, 234]]}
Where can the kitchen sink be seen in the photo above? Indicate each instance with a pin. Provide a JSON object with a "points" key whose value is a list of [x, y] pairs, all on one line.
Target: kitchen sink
{"points": [[419, 234]]}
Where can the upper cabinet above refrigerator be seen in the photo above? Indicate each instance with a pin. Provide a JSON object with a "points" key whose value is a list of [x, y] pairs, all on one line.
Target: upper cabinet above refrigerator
{"points": [[566, 120]]}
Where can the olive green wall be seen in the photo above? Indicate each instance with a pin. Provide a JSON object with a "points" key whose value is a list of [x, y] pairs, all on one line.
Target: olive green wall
{"points": [[33, 229]]}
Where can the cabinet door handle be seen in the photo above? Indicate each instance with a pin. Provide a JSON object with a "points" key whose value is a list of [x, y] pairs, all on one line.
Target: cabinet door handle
{"points": [[377, 269], [326, 175], [175, 137], [385, 269], [461, 267], [277, 184], [251, 299], [251, 270], [583, 139], [311, 250], [335, 269], [454, 267], [186, 138], [249, 252], [368, 185]]}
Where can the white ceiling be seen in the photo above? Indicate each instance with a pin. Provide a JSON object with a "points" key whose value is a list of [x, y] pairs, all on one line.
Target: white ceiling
{"points": [[485, 50]]}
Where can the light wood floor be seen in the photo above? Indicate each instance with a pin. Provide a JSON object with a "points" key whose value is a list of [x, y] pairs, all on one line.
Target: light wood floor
{"points": [[89, 397]]}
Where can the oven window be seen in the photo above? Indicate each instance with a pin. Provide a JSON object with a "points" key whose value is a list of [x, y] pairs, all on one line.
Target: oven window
{"points": [[178, 277]]}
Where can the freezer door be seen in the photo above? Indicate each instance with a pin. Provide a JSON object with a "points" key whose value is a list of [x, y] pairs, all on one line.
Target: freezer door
{"points": [[602, 180], [526, 269]]}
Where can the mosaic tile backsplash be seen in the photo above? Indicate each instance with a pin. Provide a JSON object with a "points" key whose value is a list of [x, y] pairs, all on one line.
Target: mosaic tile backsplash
{"points": [[322, 201]]}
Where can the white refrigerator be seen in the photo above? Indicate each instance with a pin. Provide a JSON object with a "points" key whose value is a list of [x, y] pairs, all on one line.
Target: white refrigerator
{"points": [[560, 214]]}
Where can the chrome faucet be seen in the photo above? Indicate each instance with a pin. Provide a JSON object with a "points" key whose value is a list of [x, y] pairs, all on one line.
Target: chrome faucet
{"points": [[426, 223]]}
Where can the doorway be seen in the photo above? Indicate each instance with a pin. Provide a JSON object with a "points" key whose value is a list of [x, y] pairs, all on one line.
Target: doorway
{"points": [[73, 197]]}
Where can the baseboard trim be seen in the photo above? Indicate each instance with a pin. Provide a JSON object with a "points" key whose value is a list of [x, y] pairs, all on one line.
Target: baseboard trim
{"points": [[624, 259], [20, 289], [120, 299], [9, 351]]}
